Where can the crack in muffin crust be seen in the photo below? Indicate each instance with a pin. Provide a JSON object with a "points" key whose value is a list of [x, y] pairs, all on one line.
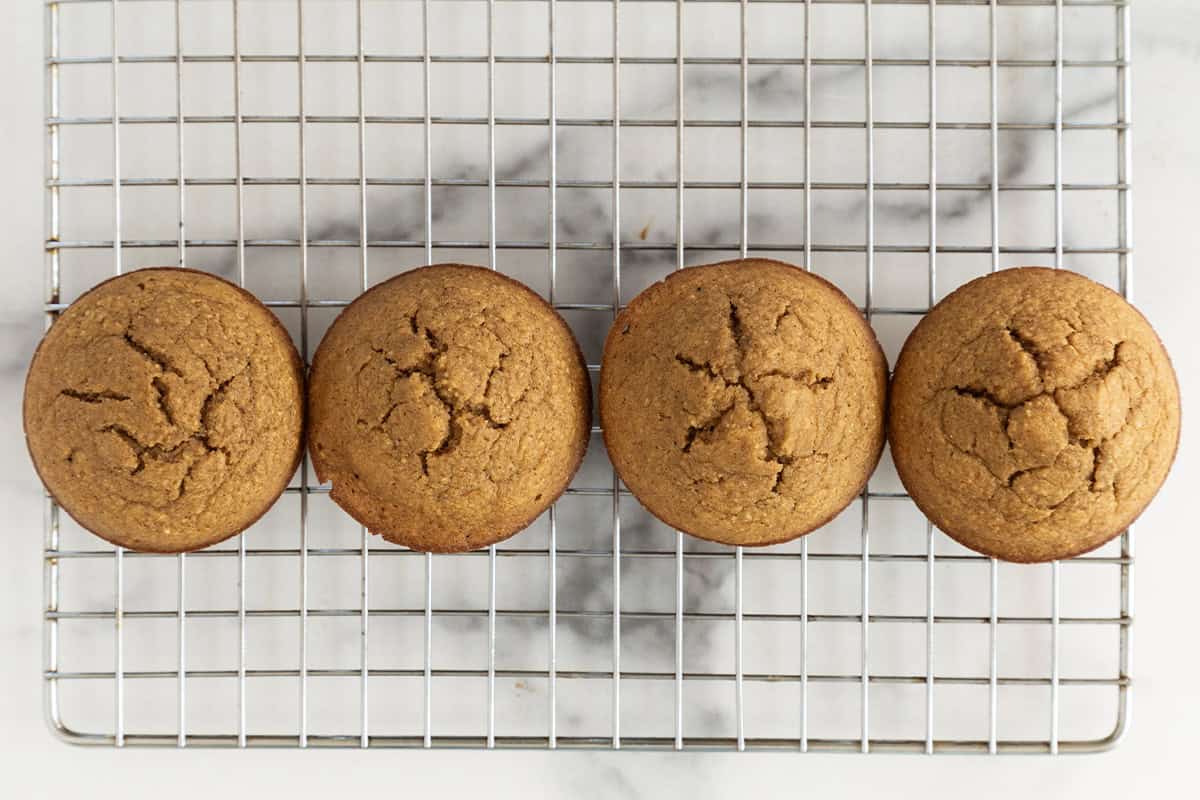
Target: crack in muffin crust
{"points": [[770, 422], [428, 369]]}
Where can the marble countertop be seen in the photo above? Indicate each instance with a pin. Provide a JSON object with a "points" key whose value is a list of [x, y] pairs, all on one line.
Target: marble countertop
{"points": [[1154, 753]]}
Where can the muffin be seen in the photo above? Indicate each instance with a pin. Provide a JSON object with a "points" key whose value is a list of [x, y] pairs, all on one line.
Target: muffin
{"points": [[164, 410], [449, 407], [1034, 414], [742, 402]]}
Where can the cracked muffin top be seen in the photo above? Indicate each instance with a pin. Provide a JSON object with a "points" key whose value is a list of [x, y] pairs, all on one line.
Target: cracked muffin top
{"points": [[1034, 414], [742, 402], [164, 410], [449, 407]]}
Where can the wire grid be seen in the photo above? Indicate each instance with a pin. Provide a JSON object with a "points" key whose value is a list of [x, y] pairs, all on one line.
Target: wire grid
{"points": [[804, 567]]}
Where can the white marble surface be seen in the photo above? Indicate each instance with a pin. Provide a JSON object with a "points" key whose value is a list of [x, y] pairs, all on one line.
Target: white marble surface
{"points": [[1161, 738]]}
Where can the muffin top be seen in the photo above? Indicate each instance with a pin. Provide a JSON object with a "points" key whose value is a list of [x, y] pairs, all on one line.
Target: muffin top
{"points": [[743, 402], [1034, 414], [449, 407], [163, 409]]}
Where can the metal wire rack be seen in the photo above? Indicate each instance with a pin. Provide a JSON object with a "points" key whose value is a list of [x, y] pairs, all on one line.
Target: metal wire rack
{"points": [[168, 142]]}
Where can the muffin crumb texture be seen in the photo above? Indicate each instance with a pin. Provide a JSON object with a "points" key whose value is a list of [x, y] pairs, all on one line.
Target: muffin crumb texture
{"points": [[1034, 414], [450, 406], [743, 402], [164, 410]]}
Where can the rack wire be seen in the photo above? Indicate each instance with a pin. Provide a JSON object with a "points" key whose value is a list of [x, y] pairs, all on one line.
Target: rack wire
{"points": [[692, 667]]}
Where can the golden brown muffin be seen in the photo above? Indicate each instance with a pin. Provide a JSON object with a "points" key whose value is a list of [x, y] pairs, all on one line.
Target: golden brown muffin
{"points": [[1034, 414], [449, 407], [742, 402], [164, 410]]}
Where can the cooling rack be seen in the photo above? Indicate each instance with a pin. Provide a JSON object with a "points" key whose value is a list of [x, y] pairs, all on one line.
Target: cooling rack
{"points": [[308, 149]]}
